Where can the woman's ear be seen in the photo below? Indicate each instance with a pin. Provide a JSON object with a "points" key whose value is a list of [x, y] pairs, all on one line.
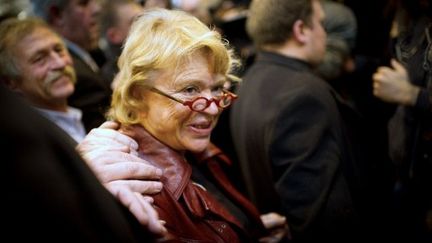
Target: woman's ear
{"points": [[300, 31], [138, 95]]}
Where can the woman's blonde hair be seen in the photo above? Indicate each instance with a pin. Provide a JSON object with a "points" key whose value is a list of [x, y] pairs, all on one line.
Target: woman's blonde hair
{"points": [[161, 39]]}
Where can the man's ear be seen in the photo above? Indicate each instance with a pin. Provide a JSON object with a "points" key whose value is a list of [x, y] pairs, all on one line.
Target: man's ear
{"points": [[113, 36], [300, 31], [12, 84]]}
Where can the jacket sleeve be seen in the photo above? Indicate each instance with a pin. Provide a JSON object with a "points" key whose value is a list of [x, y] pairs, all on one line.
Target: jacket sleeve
{"points": [[306, 151], [424, 100]]}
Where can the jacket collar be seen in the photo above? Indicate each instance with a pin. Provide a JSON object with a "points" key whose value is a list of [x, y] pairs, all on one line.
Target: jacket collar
{"points": [[210, 152], [176, 170], [279, 59]]}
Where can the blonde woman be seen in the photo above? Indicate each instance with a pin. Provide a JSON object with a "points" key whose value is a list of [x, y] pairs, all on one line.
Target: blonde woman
{"points": [[169, 93]]}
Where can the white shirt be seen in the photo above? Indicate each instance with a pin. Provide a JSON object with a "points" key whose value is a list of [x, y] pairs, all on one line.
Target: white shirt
{"points": [[69, 121]]}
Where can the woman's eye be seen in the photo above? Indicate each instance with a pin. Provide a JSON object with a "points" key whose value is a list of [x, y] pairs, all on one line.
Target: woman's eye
{"points": [[218, 90], [190, 90]]}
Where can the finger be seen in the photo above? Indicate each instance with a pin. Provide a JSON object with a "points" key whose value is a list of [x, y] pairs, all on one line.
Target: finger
{"points": [[95, 142], [106, 136], [383, 69], [397, 65], [110, 125], [154, 224], [109, 153], [272, 220], [376, 89], [132, 202], [100, 157], [115, 155], [140, 186], [148, 198], [128, 170], [376, 77], [133, 152]]}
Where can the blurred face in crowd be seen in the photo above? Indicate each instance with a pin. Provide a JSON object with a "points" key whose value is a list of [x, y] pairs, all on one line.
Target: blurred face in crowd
{"points": [[316, 34], [79, 23], [156, 3], [47, 75], [174, 123], [126, 13]]}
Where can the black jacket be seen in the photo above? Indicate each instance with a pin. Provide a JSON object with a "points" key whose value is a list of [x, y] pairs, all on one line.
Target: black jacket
{"points": [[50, 194], [293, 149], [92, 94]]}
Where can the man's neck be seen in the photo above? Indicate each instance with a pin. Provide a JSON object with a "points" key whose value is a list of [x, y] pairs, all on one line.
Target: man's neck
{"points": [[58, 105], [289, 49]]}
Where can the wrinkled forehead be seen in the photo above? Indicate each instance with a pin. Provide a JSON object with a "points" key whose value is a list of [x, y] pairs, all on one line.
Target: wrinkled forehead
{"points": [[37, 40], [198, 68]]}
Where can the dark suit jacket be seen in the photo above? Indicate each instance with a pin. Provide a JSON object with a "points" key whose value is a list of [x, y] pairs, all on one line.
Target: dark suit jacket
{"points": [[293, 150], [49, 192], [92, 94]]}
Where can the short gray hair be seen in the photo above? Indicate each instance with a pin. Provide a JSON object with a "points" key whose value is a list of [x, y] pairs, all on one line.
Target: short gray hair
{"points": [[11, 32]]}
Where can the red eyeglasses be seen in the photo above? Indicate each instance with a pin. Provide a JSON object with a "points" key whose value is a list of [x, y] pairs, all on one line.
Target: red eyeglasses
{"points": [[201, 103]]}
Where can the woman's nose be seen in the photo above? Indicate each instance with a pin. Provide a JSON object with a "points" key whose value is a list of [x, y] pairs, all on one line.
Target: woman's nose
{"points": [[213, 108]]}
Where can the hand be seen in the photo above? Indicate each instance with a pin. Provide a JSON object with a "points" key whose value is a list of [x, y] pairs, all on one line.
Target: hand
{"points": [[112, 156], [273, 220], [393, 85], [277, 226], [107, 135], [139, 206]]}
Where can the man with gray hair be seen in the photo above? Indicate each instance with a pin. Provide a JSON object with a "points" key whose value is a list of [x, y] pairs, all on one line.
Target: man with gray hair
{"points": [[77, 22], [48, 179], [35, 63]]}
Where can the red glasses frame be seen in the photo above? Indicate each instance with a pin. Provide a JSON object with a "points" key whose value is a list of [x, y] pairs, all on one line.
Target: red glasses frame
{"points": [[222, 102]]}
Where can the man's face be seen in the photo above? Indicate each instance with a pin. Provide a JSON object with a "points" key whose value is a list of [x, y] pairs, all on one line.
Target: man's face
{"points": [[125, 16], [47, 74], [80, 24], [317, 35]]}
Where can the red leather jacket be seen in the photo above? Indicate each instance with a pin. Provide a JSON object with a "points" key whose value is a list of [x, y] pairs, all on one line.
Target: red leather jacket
{"points": [[191, 213]]}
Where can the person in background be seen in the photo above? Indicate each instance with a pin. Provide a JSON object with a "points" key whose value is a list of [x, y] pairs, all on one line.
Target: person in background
{"points": [[289, 133], [34, 62], [407, 83], [47, 177], [170, 92], [155, 3], [365, 130], [78, 23], [24, 67], [341, 27], [116, 19], [21, 73], [13, 9], [52, 194], [198, 8]]}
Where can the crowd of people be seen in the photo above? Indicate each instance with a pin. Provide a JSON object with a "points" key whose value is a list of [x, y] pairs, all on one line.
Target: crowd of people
{"points": [[145, 121]]}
